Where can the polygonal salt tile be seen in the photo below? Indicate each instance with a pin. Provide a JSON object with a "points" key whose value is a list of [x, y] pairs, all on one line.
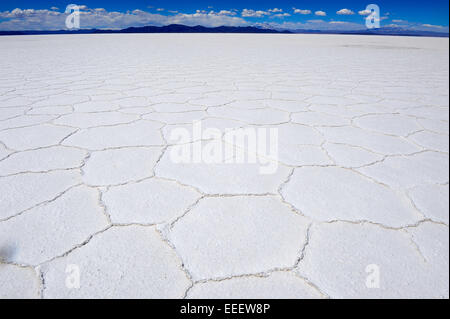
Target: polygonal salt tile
{"points": [[143, 133], [365, 98], [16, 102], [234, 175], [131, 102], [248, 105], [277, 285], [145, 92], [18, 282], [3, 152], [25, 120], [87, 120], [198, 130], [379, 143], [222, 237], [288, 106], [137, 110], [96, 106], [431, 141], [301, 155], [394, 124], [315, 90], [351, 156], [42, 92], [21, 192], [290, 96], [7, 113], [107, 97], [349, 196], [62, 99], [253, 116], [176, 118], [54, 228], [337, 111], [432, 241], [151, 201], [436, 126], [410, 171], [211, 100], [34, 136], [118, 166], [202, 89], [393, 105], [176, 107], [435, 99], [367, 261], [331, 100], [428, 112], [175, 98], [110, 267], [318, 119], [290, 134], [248, 95], [432, 201], [246, 85], [50, 110], [41, 160]]}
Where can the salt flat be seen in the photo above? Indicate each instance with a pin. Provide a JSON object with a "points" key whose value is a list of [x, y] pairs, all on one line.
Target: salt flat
{"points": [[92, 204]]}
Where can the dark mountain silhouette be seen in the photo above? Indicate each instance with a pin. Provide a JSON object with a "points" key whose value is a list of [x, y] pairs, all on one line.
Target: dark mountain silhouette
{"points": [[380, 31], [178, 28], [173, 28]]}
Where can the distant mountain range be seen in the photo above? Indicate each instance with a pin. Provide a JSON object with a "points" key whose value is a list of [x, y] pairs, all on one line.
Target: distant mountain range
{"points": [[173, 28], [178, 28], [380, 31]]}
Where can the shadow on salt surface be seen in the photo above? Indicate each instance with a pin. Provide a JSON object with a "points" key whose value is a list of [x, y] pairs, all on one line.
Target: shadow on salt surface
{"points": [[6, 253]]}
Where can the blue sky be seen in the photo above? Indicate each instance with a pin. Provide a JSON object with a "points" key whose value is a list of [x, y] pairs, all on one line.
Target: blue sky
{"points": [[306, 14]]}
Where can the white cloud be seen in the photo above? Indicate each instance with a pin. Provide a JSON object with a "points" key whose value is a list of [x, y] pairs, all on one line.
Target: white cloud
{"points": [[99, 18], [32, 19], [227, 13], [345, 12], [318, 25], [210, 19], [275, 10], [302, 11], [364, 12], [320, 13], [281, 15], [418, 26], [254, 14], [28, 13], [427, 25]]}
